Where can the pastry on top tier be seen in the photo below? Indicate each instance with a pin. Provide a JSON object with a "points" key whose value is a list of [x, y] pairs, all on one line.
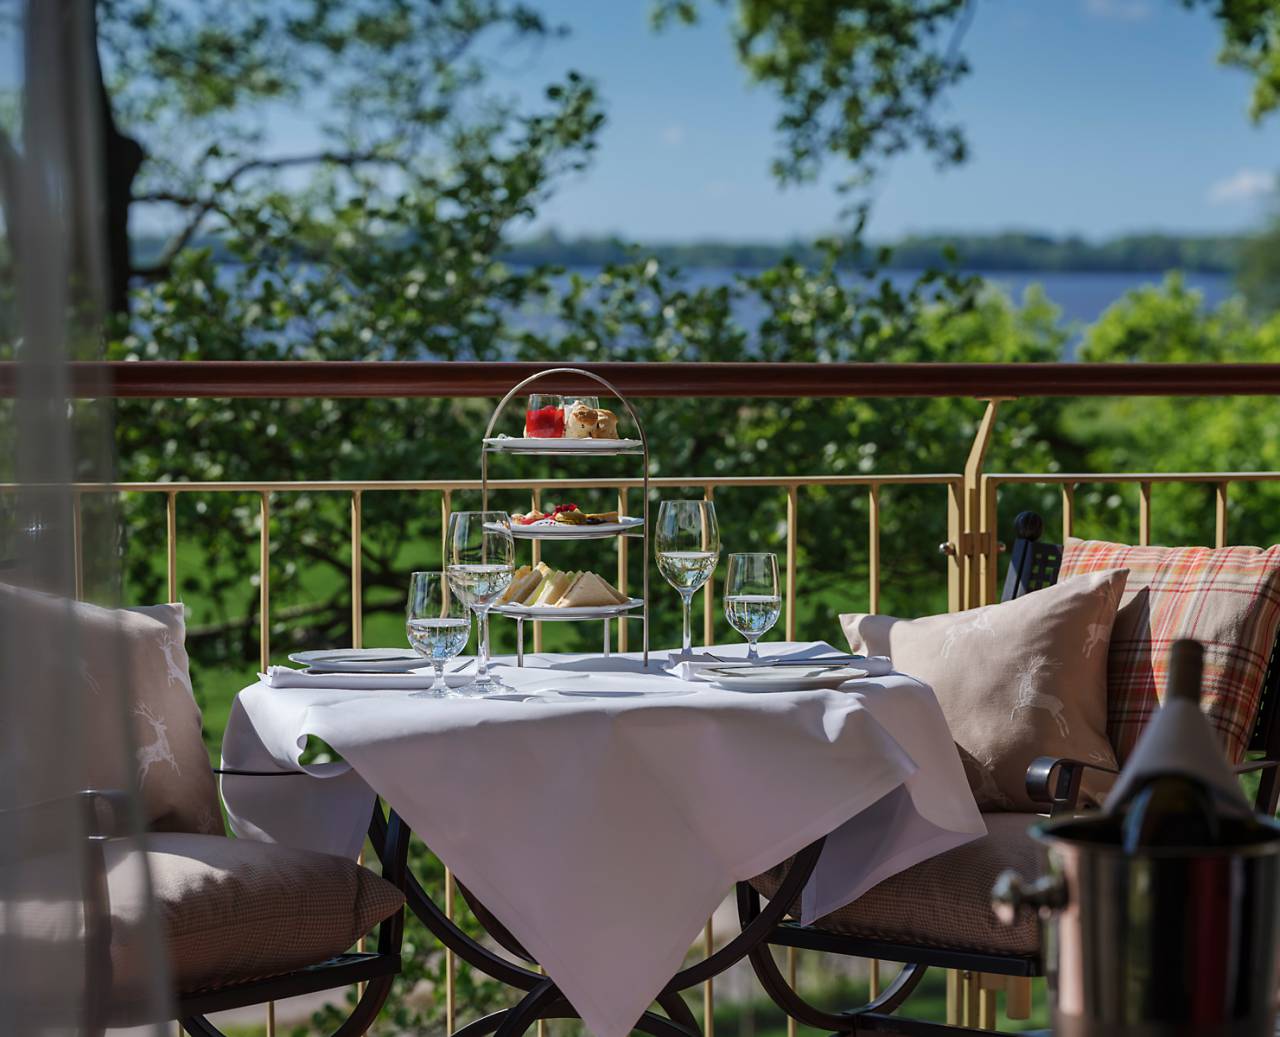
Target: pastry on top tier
{"points": [[580, 422], [606, 424]]}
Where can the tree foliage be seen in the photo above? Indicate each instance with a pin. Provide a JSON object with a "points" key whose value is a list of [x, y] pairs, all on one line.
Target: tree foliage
{"points": [[857, 79], [387, 241]]}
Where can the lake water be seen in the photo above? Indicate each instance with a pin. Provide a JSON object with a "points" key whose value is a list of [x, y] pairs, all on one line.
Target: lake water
{"points": [[1081, 296]]}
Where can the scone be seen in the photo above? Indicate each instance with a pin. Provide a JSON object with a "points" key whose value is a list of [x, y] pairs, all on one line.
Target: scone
{"points": [[580, 422], [606, 424]]}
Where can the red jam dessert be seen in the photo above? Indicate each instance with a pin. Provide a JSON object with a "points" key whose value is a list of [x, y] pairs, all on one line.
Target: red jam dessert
{"points": [[544, 423]]}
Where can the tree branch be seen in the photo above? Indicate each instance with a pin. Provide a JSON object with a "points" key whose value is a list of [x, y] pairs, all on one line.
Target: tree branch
{"points": [[203, 207]]}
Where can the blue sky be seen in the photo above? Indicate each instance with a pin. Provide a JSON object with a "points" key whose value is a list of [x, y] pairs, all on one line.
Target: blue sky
{"points": [[1086, 116]]}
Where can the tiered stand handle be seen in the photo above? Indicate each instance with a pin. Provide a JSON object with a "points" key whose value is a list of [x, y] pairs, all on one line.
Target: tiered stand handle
{"points": [[486, 449]]}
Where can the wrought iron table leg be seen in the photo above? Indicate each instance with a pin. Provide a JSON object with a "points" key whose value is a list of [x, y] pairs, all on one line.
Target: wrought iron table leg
{"points": [[542, 997], [782, 994], [678, 1011]]}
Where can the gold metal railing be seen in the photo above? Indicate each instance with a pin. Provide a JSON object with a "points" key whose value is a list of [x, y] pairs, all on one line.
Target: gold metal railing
{"points": [[951, 485], [972, 554]]}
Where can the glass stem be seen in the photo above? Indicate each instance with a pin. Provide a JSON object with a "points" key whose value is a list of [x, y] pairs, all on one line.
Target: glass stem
{"points": [[440, 686], [753, 653], [482, 660], [686, 600]]}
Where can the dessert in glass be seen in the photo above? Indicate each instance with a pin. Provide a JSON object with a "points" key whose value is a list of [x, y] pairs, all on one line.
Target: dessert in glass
{"points": [[544, 417]]}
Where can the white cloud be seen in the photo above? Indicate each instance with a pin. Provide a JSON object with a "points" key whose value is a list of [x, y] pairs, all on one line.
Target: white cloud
{"points": [[1245, 185], [1120, 10], [673, 135]]}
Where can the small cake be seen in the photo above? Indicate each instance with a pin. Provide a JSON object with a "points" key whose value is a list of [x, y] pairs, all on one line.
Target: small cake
{"points": [[606, 424], [580, 422]]}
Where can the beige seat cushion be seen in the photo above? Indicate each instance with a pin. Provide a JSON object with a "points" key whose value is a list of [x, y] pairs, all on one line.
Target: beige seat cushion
{"points": [[1017, 680], [128, 674], [234, 910], [946, 900]]}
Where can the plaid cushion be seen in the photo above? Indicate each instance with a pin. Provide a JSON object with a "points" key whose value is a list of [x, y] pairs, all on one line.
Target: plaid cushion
{"points": [[1227, 598]]}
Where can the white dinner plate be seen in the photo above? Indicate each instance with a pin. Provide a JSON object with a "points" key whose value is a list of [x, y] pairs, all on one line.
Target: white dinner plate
{"points": [[361, 660], [781, 678], [556, 612], [556, 445], [548, 529]]}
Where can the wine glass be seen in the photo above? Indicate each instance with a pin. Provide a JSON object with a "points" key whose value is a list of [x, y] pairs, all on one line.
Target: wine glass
{"points": [[480, 562], [438, 625], [688, 547], [751, 599]]}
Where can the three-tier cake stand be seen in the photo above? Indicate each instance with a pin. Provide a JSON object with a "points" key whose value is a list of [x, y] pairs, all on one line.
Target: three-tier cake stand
{"points": [[581, 447]]}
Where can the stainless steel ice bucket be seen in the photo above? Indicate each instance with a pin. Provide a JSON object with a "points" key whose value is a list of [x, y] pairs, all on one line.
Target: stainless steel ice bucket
{"points": [[1161, 943]]}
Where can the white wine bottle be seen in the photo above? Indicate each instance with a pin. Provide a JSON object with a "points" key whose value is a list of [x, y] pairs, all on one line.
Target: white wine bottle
{"points": [[1174, 808]]}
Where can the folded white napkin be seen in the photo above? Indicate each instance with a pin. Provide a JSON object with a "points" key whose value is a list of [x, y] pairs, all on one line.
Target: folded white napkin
{"points": [[287, 677], [695, 669]]}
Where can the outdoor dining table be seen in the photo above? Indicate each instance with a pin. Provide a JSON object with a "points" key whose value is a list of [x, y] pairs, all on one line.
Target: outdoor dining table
{"points": [[600, 810]]}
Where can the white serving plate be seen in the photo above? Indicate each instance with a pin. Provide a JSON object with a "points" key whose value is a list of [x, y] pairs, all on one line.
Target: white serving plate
{"points": [[547, 529], [554, 612], [538, 445], [781, 678], [361, 660]]}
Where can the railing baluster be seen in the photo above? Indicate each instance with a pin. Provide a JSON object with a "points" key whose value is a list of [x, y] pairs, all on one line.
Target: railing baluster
{"points": [[171, 542], [1220, 515], [954, 547], [264, 583], [793, 500], [873, 547], [622, 568], [537, 557], [77, 545], [1068, 509], [357, 628], [450, 964], [357, 572], [709, 592], [791, 979], [708, 991], [1144, 513]]}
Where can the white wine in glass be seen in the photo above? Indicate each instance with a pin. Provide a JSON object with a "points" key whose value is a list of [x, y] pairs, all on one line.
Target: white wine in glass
{"points": [[688, 548], [752, 602], [480, 562]]}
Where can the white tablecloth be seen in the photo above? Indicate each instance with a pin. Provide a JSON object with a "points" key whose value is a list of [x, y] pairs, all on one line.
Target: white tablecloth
{"points": [[603, 824]]}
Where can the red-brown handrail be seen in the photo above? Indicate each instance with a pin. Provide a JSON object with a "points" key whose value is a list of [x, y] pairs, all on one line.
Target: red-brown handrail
{"points": [[405, 379]]}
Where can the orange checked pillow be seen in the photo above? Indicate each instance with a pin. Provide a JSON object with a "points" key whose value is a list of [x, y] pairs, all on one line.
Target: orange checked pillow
{"points": [[1227, 598]]}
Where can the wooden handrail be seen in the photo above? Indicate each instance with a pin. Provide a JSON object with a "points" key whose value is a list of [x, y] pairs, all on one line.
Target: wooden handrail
{"points": [[411, 379]]}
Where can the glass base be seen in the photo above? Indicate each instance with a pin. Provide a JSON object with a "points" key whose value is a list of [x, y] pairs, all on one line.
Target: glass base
{"points": [[480, 687], [436, 693]]}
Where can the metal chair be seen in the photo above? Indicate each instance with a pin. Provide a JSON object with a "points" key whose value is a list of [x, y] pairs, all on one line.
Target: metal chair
{"points": [[1052, 782]]}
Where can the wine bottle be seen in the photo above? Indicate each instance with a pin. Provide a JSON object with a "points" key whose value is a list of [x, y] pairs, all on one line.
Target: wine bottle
{"points": [[1173, 808]]}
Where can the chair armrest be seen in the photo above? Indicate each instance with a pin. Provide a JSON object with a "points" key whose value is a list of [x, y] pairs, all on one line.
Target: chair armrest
{"points": [[1248, 766], [39, 828], [1054, 781], [237, 773]]}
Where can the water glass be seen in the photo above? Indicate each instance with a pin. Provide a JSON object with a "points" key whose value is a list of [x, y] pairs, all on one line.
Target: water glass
{"points": [[687, 544], [480, 562], [438, 626], [752, 602]]}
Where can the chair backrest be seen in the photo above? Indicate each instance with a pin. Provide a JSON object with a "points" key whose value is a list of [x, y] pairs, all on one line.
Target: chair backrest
{"points": [[1034, 565]]}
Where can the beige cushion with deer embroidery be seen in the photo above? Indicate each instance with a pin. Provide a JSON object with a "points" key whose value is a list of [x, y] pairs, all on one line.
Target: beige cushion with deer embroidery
{"points": [[130, 678], [1017, 680]]}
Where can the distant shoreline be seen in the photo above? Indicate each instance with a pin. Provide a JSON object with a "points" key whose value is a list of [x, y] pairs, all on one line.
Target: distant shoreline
{"points": [[971, 253], [1010, 252]]}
